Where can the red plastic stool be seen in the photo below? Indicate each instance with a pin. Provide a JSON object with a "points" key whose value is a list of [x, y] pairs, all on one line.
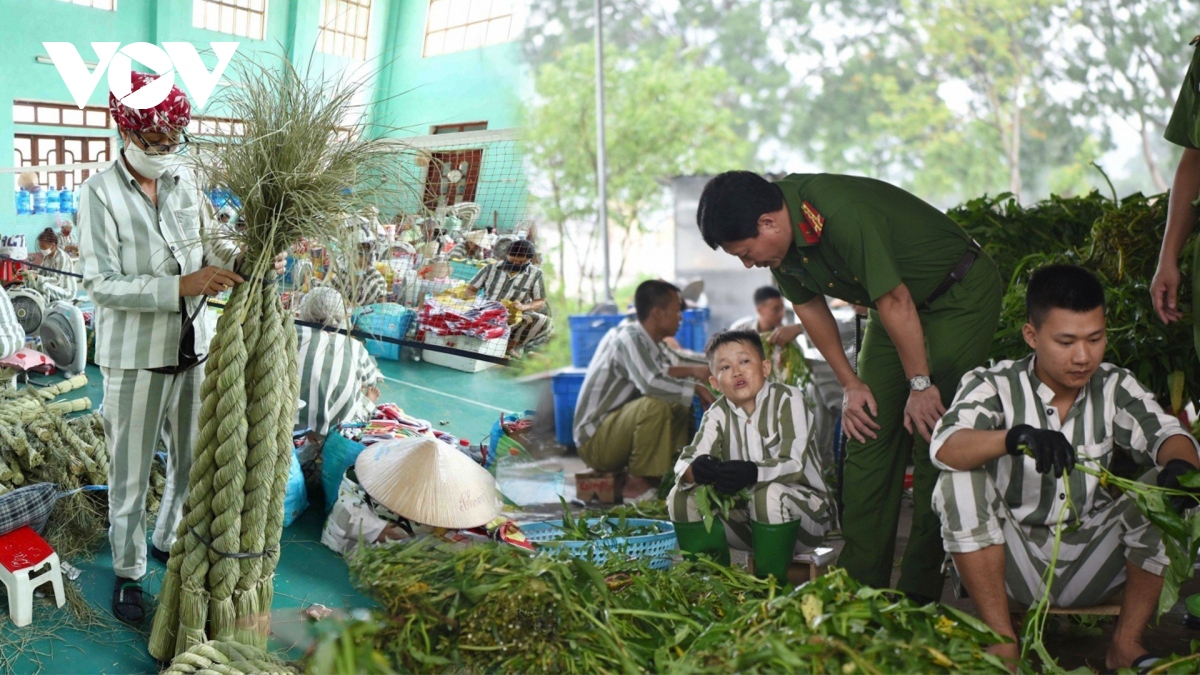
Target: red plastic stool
{"points": [[26, 562]]}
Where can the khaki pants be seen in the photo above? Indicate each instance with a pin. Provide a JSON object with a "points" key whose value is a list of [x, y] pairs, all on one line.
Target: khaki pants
{"points": [[641, 437]]}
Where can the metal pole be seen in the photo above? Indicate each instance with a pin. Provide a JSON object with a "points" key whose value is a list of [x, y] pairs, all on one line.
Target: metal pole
{"points": [[601, 161]]}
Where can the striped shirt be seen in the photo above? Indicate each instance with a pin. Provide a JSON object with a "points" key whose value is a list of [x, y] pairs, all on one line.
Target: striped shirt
{"points": [[460, 252], [777, 437], [334, 370], [368, 287], [1112, 409], [627, 364], [57, 286], [497, 284], [133, 256], [12, 336]]}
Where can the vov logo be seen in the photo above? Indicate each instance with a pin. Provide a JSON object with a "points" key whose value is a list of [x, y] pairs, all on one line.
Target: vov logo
{"points": [[180, 57]]}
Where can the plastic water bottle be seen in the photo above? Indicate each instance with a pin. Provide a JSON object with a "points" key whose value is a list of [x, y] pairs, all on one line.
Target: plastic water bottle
{"points": [[39, 201], [52, 201], [24, 203], [66, 201]]}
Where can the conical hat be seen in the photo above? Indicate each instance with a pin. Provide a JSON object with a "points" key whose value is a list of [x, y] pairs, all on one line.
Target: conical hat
{"points": [[428, 482]]}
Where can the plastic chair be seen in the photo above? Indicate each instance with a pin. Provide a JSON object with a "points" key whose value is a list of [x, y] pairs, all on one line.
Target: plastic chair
{"points": [[26, 562]]}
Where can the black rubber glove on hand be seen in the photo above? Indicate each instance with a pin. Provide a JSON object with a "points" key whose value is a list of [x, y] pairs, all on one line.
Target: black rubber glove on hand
{"points": [[704, 469], [735, 475], [1050, 449], [1169, 478]]}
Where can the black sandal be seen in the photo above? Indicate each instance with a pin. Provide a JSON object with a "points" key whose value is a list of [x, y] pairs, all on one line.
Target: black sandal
{"points": [[127, 601]]}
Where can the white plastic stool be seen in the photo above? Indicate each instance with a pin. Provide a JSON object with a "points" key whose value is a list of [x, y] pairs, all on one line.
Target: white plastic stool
{"points": [[26, 562]]}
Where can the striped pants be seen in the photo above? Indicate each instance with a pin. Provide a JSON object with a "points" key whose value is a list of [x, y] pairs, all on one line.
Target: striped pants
{"points": [[771, 503], [1091, 560], [139, 408], [533, 328]]}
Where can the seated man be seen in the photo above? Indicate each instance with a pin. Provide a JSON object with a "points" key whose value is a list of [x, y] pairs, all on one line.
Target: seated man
{"points": [[53, 286], [1062, 404], [635, 409], [768, 312], [471, 247], [756, 436], [337, 375], [519, 282]]}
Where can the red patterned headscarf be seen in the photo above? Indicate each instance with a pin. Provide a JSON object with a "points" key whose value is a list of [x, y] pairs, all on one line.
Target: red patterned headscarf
{"points": [[172, 114]]}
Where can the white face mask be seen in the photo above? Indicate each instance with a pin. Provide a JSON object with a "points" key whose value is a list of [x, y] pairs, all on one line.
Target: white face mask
{"points": [[45, 251], [149, 166]]}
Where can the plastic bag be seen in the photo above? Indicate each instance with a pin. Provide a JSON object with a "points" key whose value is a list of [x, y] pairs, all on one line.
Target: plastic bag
{"points": [[296, 499], [338, 455]]}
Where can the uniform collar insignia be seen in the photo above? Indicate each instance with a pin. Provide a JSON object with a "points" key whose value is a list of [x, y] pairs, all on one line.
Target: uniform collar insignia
{"points": [[811, 224]]}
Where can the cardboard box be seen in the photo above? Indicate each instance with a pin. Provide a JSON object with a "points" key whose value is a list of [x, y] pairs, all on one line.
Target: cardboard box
{"points": [[605, 487], [496, 347]]}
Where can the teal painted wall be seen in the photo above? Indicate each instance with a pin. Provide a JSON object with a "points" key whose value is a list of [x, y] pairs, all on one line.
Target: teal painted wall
{"points": [[407, 93]]}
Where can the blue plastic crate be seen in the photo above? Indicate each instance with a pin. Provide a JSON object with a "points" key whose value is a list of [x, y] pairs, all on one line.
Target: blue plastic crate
{"points": [[655, 548], [693, 330], [385, 319], [465, 270], [587, 330], [566, 386]]}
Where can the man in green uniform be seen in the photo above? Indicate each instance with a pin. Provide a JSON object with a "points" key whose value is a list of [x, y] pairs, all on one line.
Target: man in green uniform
{"points": [[934, 300], [1183, 129]]}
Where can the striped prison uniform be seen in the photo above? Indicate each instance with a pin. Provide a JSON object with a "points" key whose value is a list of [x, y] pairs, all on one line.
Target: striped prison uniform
{"points": [[777, 437], [630, 413], [56, 286], [133, 255], [334, 371], [460, 252], [524, 287], [1006, 502], [12, 335], [366, 287]]}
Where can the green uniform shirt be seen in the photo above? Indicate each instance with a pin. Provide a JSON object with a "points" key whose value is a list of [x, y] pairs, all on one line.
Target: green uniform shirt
{"points": [[876, 236], [1184, 126]]}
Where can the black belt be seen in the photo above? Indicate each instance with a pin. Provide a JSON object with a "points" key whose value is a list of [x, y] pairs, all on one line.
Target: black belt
{"points": [[956, 275]]}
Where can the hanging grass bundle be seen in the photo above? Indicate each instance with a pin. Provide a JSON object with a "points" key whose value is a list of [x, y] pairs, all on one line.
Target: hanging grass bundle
{"points": [[299, 167]]}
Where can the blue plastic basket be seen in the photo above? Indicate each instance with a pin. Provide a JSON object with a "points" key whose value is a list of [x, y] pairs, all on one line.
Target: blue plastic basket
{"points": [[385, 319], [465, 270], [655, 548], [587, 330], [566, 386], [693, 329]]}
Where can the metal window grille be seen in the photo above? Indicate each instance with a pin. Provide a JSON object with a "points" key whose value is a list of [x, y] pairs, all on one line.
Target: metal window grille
{"points": [[459, 25], [98, 4], [246, 18], [345, 25]]}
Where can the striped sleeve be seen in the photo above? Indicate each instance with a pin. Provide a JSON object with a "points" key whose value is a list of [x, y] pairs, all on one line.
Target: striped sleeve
{"points": [[481, 278], [1139, 422], [12, 336], [649, 375], [977, 405], [713, 425], [100, 255], [538, 289], [792, 419]]}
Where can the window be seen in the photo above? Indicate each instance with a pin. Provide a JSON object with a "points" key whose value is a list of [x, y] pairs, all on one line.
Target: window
{"points": [[236, 17], [459, 128], [453, 177], [458, 25], [41, 150], [98, 4], [215, 126], [344, 25], [60, 115]]}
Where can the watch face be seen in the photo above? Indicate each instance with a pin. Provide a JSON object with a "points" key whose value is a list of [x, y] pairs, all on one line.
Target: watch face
{"points": [[920, 383]]}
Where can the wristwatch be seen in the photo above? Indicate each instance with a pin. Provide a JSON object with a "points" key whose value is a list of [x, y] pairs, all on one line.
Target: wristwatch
{"points": [[920, 383]]}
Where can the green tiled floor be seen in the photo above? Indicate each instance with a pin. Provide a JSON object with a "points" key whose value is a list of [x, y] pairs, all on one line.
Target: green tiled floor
{"points": [[308, 572]]}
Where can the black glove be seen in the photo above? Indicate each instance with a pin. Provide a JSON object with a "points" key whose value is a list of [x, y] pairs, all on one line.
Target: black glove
{"points": [[1050, 449], [705, 468], [1169, 478], [735, 475]]}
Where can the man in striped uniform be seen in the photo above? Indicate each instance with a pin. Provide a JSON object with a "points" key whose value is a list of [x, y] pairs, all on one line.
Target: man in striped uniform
{"points": [[141, 223], [756, 436], [53, 286], [337, 375], [471, 247], [12, 336], [519, 281], [1007, 447], [634, 408]]}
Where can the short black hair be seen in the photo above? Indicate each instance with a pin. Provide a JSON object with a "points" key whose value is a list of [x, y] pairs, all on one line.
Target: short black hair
{"points": [[731, 205], [651, 294], [766, 293], [1067, 287], [523, 248], [730, 336]]}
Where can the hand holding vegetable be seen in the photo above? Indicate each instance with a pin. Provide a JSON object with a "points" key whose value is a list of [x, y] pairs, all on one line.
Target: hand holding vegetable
{"points": [[1169, 478], [736, 475], [705, 469], [1050, 449]]}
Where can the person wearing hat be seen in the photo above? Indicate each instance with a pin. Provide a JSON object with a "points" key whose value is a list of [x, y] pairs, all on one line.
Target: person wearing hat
{"points": [[141, 224], [67, 241], [338, 377], [471, 247], [52, 286], [519, 281], [934, 299]]}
